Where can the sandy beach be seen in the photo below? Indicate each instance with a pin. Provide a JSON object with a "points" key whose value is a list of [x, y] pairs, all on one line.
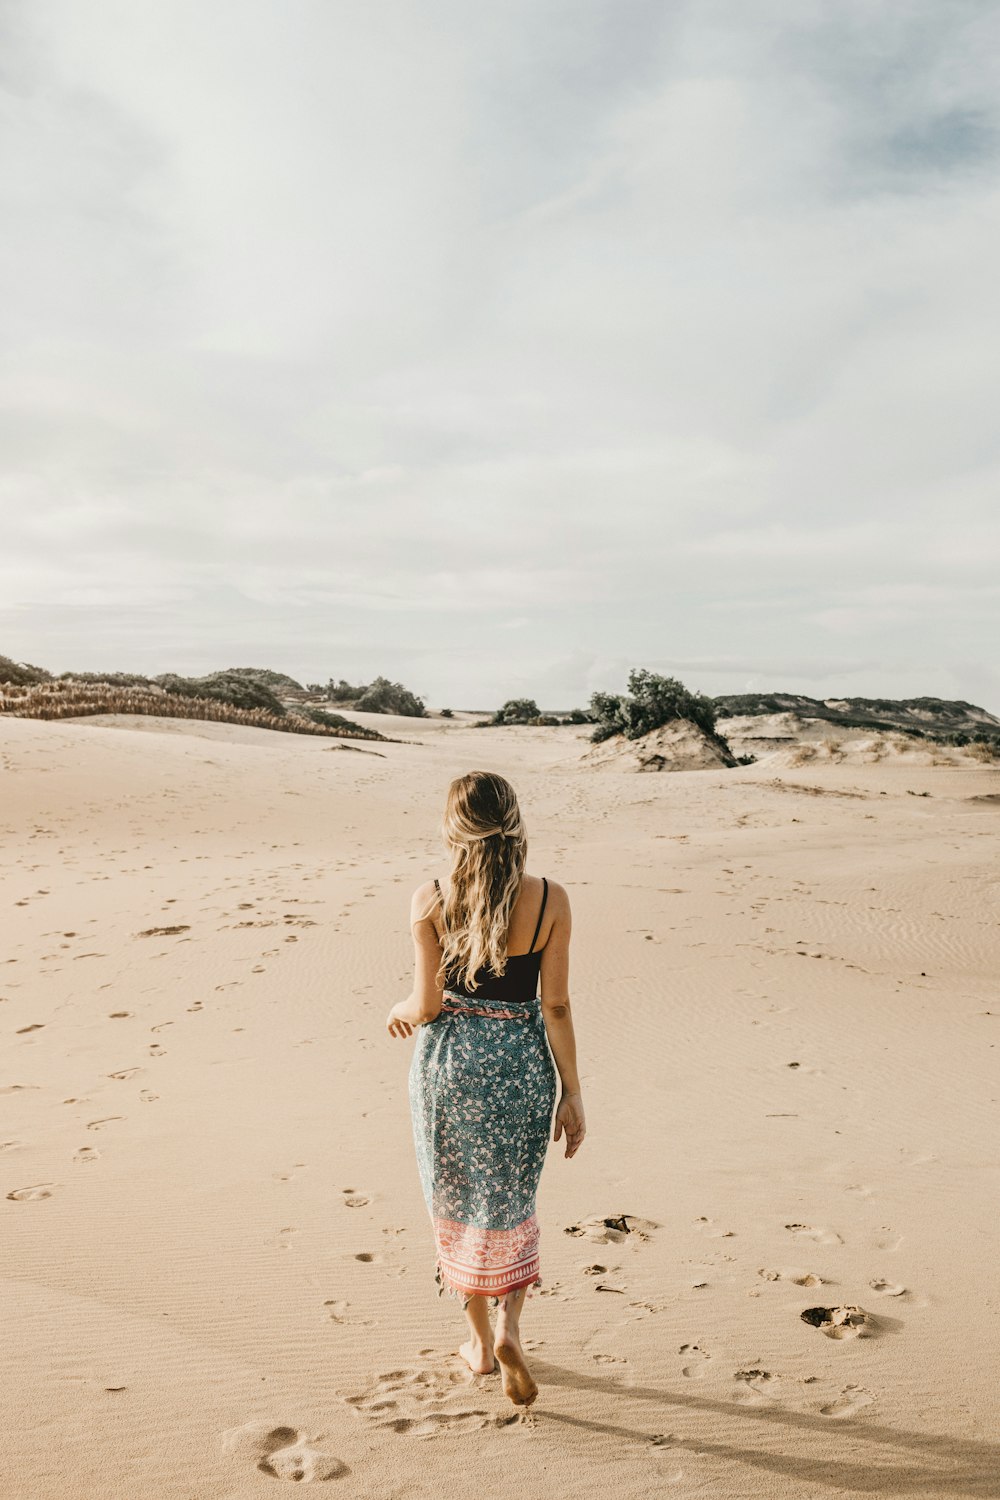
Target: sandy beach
{"points": [[217, 1263]]}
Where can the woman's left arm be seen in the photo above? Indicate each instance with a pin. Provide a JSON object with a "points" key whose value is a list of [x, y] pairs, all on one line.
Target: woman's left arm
{"points": [[424, 1001]]}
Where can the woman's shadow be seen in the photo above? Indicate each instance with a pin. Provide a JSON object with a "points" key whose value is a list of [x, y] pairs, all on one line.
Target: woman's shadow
{"points": [[939, 1465]]}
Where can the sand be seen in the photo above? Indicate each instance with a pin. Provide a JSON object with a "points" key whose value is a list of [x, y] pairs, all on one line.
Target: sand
{"points": [[217, 1265]]}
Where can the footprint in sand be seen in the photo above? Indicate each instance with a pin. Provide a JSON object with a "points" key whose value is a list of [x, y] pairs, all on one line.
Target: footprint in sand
{"points": [[846, 1322], [10, 1145], [124, 1073], [762, 1382], [100, 1124], [86, 1153], [353, 1199], [887, 1288], [282, 1452], [30, 1194], [147, 1096], [819, 1236], [613, 1229], [423, 1401], [791, 1273], [703, 1222], [851, 1399], [886, 1238], [285, 1238], [337, 1310], [694, 1370]]}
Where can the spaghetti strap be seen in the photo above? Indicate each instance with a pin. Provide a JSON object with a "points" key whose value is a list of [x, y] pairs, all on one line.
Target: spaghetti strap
{"points": [[437, 887], [538, 924]]}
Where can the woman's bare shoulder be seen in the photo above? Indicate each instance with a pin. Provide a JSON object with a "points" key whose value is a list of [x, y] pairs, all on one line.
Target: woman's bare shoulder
{"points": [[558, 898], [423, 902]]}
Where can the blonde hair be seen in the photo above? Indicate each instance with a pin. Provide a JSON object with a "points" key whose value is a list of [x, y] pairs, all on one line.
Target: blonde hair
{"points": [[483, 829]]}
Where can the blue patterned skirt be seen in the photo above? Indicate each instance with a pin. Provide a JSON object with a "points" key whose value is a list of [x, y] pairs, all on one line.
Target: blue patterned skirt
{"points": [[482, 1087]]}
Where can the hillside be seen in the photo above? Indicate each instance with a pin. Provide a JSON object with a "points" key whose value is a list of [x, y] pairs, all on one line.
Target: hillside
{"points": [[933, 717]]}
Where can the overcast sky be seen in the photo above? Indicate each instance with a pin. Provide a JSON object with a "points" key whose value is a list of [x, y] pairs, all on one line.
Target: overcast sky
{"points": [[501, 348]]}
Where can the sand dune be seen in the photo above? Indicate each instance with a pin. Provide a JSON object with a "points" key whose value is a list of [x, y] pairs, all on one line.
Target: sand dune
{"points": [[770, 1270]]}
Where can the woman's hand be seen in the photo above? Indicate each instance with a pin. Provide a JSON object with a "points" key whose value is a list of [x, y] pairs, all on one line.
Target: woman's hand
{"points": [[569, 1117], [396, 1025]]}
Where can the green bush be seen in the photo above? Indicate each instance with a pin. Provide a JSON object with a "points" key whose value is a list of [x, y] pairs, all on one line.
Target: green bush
{"points": [[650, 702], [385, 697], [517, 711], [265, 675], [226, 687], [113, 679], [322, 716], [22, 672], [447, 713], [343, 692]]}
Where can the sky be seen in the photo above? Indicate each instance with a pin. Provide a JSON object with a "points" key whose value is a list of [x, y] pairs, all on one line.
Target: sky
{"points": [[501, 349]]}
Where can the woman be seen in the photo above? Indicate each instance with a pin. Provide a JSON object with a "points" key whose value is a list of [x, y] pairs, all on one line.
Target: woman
{"points": [[482, 1083]]}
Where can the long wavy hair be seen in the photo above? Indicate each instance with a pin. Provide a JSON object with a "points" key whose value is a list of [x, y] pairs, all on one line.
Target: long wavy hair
{"points": [[485, 835]]}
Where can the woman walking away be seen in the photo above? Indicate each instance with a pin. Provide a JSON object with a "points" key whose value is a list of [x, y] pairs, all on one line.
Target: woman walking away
{"points": [[482, 1082]]}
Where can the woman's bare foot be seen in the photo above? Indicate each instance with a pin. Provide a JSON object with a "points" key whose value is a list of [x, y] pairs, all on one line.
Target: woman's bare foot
{"points": [[478, 1357], [517, 1379]]}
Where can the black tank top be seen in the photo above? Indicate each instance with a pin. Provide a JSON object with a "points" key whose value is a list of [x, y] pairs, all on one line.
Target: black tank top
{"points": [[520, 979]]}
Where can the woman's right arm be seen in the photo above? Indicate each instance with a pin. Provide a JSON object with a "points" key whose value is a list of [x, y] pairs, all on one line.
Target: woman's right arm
{"points": [[558, 1017]]}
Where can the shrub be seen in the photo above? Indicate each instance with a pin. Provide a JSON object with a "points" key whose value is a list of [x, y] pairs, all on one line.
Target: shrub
{"points": [[447, 713], [517, 711], [22, 672], [113, 679], [385, 697], [746, 760], [324, 717], [62, 700], [265, 675], [577, 716], [226, 687], [650, 702], [343, 692], [545, 719]]}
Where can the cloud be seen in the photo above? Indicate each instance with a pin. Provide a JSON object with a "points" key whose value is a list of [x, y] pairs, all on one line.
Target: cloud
{"points": [[504, 345]]}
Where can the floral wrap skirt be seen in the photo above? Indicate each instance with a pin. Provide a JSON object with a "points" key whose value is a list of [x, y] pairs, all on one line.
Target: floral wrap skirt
{"points": [[482, 1088]]}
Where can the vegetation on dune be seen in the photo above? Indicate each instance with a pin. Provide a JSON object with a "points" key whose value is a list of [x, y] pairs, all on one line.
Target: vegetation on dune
{"points": [[385, 697], [113, 679], [650, 702], [332, 721], [74, 699], [518, 711], [226, 687], [940, 720], [378, 697], [22, 672], [271, 679], [526, 711]]}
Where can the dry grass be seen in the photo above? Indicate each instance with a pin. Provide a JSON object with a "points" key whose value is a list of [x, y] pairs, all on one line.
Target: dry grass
{"points": [[802, 754], [65, 700], [979, 751]]}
